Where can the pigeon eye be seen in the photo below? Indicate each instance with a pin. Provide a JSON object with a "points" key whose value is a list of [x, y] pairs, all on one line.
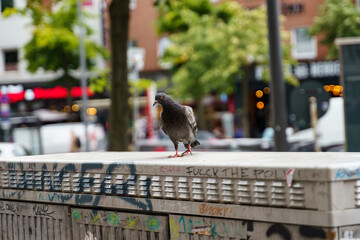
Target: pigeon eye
{"points": [[161, 98]]}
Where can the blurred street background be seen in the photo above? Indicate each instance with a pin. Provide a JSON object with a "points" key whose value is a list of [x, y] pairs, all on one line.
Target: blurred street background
{"points": [[212, 55]]}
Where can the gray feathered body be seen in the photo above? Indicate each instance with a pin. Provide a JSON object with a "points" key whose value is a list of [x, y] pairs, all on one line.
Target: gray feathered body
{"points": [[179, 123]]}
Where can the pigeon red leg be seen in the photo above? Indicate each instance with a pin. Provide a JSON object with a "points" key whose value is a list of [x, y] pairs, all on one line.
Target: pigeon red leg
{"points": [[187, 151], [176, 154]]}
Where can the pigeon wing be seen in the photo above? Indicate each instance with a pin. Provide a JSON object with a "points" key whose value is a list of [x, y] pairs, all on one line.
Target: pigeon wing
{"points": [[191, 118], [162, 123]]}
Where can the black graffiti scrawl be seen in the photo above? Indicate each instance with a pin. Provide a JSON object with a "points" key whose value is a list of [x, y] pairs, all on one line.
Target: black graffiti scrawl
{"points": [[250, 229], [312, 232], [38, 176], [280, 229]]}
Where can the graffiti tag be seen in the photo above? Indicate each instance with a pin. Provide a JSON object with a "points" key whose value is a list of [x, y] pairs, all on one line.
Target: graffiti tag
{"points": [[215, 210], [42, 210]]}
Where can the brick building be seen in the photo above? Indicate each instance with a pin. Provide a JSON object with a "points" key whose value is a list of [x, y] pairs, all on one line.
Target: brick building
{"points": [[299, 16]]}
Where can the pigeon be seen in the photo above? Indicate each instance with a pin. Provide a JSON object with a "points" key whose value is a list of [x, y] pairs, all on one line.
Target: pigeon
{"points": [[178, 122]]}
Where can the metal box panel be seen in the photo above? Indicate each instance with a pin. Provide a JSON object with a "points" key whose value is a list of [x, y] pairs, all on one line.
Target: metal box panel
{"points": [[350, 59], [349, 232], [292, 188], [219, 178], [33, 221], [105, 225], [200, 228]]}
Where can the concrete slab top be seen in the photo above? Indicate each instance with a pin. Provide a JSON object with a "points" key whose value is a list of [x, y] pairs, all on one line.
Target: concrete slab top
{"points": [[235, 159]]}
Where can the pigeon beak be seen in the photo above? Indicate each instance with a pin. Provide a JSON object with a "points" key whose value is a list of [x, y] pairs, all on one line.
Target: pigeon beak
{"points": [[155, 103]]}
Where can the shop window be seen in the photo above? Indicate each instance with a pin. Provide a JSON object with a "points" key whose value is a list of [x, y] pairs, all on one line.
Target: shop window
{"points": [[303, 45], [132, 43], [6, 4], [291, 8], [11, 60]]}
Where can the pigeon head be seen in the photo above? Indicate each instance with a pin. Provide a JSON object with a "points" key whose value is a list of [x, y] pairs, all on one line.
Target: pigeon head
{"points": [[161, 98]]}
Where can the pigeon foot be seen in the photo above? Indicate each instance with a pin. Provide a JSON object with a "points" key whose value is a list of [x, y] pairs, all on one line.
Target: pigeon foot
{"points": [[186, 152], [175, 156]]}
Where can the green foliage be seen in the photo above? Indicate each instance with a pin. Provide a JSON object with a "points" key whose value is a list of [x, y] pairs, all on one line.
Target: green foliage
{"points": [[227, 10], [216, 46], [9, 11], [337, 18], [6, 6], [140, 85], [54, 44], [162, 83], [100, 82], [175, 15]]}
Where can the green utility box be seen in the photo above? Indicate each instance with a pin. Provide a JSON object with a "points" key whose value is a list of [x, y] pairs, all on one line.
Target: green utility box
{"points": [[349, 49]]}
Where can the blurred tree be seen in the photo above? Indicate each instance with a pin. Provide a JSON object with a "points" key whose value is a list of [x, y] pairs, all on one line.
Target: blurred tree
{"points": [[54, 45], [101, 81], [119, 110], [211, 47], [176, 16], [337, 18]]}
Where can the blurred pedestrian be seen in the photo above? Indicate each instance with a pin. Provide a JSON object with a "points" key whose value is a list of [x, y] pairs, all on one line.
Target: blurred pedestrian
{"points": [[239, 133], [75, 143], [218, 131]]}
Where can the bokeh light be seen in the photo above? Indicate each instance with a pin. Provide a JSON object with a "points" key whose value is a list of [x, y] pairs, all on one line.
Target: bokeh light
{"points": [[259, 94], [336, 90], [260, 105], [91, 111], [266, 90], [67, 108], [75, 108]]}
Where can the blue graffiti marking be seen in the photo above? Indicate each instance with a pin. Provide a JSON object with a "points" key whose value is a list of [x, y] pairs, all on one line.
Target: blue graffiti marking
{"points": [[76, 215], [347, 173], [152, 223], [113, 218], [38, 177], [213, 230], [82, 199]]}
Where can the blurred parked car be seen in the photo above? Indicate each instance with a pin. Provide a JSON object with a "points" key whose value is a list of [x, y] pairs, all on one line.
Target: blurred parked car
{"points": [[8, 150]]}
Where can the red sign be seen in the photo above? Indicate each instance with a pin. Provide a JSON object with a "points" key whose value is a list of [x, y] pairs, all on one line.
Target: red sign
{"points": [[57, 92]]}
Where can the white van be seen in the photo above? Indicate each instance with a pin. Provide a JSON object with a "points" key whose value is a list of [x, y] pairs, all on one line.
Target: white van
{"points": [[61, 138], [330, 127]]}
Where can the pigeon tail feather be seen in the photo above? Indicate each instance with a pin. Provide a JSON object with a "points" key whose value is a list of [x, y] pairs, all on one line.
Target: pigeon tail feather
{"points": [[195, 143]]}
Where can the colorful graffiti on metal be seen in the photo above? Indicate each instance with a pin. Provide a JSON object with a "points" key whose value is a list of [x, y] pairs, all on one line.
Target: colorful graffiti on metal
{"points": [[152, 223]]}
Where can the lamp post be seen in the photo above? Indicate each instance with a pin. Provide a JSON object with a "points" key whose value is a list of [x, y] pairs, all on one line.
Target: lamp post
{"points": [[277, 80], [83, 75]]}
